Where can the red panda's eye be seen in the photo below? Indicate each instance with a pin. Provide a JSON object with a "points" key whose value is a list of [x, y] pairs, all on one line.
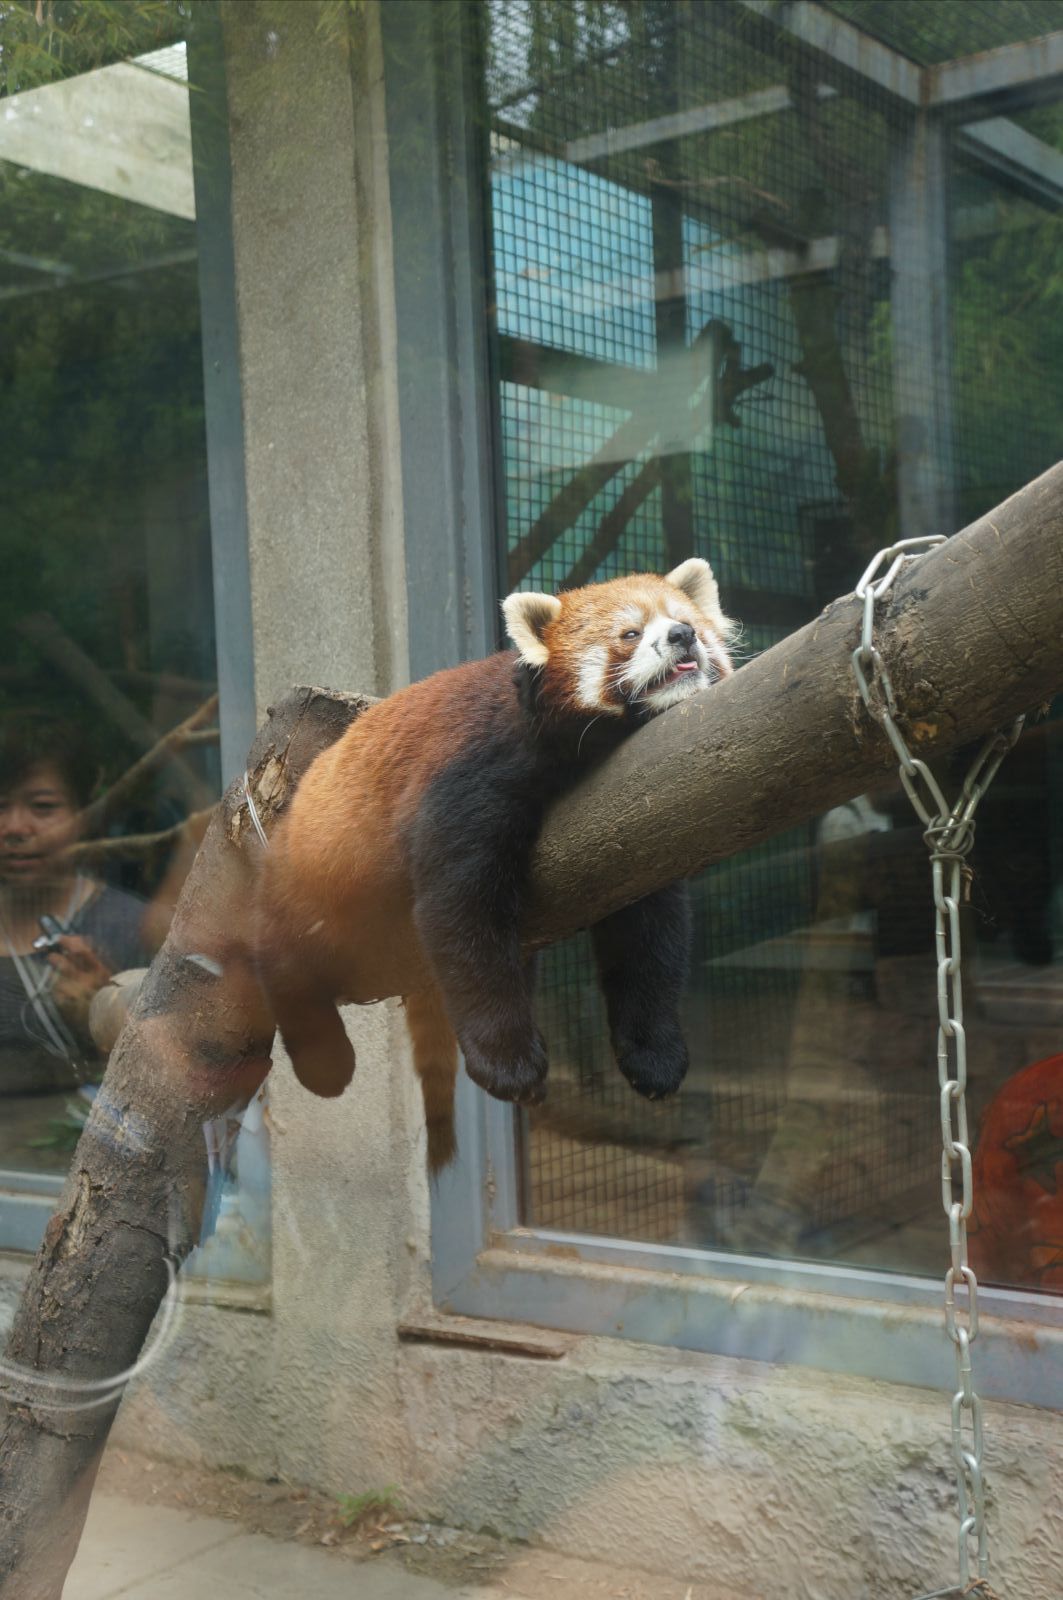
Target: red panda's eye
{"points": [[632, 633]]}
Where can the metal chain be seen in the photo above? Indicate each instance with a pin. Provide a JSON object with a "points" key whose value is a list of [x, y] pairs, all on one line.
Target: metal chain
{"points": [[949, 835]]}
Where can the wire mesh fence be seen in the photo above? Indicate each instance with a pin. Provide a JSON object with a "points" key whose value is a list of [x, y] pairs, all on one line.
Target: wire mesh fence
{"points": [[751, 307]]}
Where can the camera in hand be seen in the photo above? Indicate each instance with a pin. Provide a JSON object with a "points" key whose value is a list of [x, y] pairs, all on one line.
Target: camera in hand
{"points": [[53, 932]]}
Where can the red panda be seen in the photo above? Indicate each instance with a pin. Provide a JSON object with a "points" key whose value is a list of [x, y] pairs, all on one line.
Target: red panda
{"points": [[400, 866]]}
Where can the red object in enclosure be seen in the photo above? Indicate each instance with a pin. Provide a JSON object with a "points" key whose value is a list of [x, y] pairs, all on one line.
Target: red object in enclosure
{"points": [[1016, 1231]]}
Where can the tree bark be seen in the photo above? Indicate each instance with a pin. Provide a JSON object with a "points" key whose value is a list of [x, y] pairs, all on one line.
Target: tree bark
{"points": [[194, 1047], [972, 634]]}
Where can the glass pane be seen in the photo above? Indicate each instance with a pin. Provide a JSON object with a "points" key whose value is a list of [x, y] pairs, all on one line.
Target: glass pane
{"points": [[107, 609], [746, 309]]}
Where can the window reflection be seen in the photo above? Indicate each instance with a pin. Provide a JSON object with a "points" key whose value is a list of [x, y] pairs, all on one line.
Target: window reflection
{"points": [[747, 309], [65, 933], [108, 714]]}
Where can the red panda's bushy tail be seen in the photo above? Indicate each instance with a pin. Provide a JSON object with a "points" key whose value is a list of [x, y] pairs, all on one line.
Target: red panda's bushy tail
{"points": [[435, 1058]]}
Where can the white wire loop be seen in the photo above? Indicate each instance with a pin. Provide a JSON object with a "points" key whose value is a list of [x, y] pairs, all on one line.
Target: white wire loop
{"points": [[252, 811], [51, 1391]]}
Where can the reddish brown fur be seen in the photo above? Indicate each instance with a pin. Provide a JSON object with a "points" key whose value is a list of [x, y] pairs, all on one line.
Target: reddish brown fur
{"points": [[335, 882], [337, 906], [337, 912]]}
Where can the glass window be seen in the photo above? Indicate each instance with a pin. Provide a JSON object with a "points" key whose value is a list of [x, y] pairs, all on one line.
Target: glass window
{"points": [[109, 736], [749, 309]]}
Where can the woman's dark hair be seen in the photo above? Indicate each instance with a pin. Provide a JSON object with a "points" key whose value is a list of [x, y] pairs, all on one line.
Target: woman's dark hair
{"points": [[29, 739]]}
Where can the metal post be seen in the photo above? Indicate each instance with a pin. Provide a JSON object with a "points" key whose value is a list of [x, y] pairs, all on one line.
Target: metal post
{"points": [[922, 366]]}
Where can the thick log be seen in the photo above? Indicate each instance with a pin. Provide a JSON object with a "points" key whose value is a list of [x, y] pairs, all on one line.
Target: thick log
{"points": [[972, 633], [195, 1046]]}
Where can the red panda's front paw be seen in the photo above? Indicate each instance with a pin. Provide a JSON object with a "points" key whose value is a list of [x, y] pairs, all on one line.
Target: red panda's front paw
{"points": [[654, 1070], [514, 1073]]}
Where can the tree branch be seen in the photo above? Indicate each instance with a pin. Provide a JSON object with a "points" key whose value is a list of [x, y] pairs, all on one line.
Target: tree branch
{"points": [[127, 846], [972, 635], [713, 352], [188, 732], [194, 1047]]}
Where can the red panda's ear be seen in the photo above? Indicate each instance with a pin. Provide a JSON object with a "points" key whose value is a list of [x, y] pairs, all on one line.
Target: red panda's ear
{"points": [[527, 616], [695, 579]]}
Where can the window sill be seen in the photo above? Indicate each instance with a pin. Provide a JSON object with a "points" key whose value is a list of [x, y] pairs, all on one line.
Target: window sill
{"points": [[557, 1283]]}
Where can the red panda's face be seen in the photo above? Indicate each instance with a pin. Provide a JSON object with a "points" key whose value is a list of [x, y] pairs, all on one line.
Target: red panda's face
{"points": [[643, 642]]}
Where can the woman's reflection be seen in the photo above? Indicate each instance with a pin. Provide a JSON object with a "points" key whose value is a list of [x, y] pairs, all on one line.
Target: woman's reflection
{"points": [[62, 935]]}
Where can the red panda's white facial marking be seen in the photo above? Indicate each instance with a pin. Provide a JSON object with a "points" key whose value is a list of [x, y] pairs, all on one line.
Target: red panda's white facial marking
{"points": [[592, 680], [642, 641], [669, 662], [682, 647]]}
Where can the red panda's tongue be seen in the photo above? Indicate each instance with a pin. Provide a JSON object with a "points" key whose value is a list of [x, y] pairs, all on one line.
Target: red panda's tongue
{"points": [[679, 669]]}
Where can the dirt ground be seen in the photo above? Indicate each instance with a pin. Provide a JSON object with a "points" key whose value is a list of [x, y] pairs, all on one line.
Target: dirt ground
{"points": [[286, 1511]]}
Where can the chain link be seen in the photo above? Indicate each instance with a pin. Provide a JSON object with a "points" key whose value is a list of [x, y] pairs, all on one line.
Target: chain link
{"points": [[949, 835]]}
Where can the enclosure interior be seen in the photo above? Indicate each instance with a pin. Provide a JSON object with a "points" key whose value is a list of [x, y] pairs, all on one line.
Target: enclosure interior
{"points": [[753, 303], [108, 607]]}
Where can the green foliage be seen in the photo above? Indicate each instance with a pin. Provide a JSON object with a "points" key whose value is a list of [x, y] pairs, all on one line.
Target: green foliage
{"points": [[333, 22], [61, 1134], [42, 41], [356, 1509], [1007, 322], [101, 418], [101, 404]]}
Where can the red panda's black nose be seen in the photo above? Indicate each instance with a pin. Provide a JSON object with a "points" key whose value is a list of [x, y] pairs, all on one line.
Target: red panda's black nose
{"points": [[681, 634]]}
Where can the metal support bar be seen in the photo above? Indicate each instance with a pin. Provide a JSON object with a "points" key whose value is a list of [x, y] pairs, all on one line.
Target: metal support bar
{"points": [[1021, 73], [683, 124], [222, 390], [1013, 75], [1015, 157], [1018, 158], [922, 386], [844, 50]]}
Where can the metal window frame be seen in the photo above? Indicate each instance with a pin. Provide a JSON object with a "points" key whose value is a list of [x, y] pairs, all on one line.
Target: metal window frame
{"points": [[222, 392], [27, 1199], [484, 1263]]}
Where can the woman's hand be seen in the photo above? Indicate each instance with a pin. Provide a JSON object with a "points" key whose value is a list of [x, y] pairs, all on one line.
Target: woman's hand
{"points": [[79, 974]]}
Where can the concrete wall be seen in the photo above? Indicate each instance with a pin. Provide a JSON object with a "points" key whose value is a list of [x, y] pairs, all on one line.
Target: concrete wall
{"points": [[773, 1481]]}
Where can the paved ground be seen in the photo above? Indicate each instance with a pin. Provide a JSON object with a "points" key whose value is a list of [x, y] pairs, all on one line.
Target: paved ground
{"points": [[150, 1551], [146, 1552]]}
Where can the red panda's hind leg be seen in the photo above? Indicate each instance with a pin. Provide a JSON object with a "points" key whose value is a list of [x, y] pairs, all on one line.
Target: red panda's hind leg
{"points": [[321, 1054], [435, 1058]]}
